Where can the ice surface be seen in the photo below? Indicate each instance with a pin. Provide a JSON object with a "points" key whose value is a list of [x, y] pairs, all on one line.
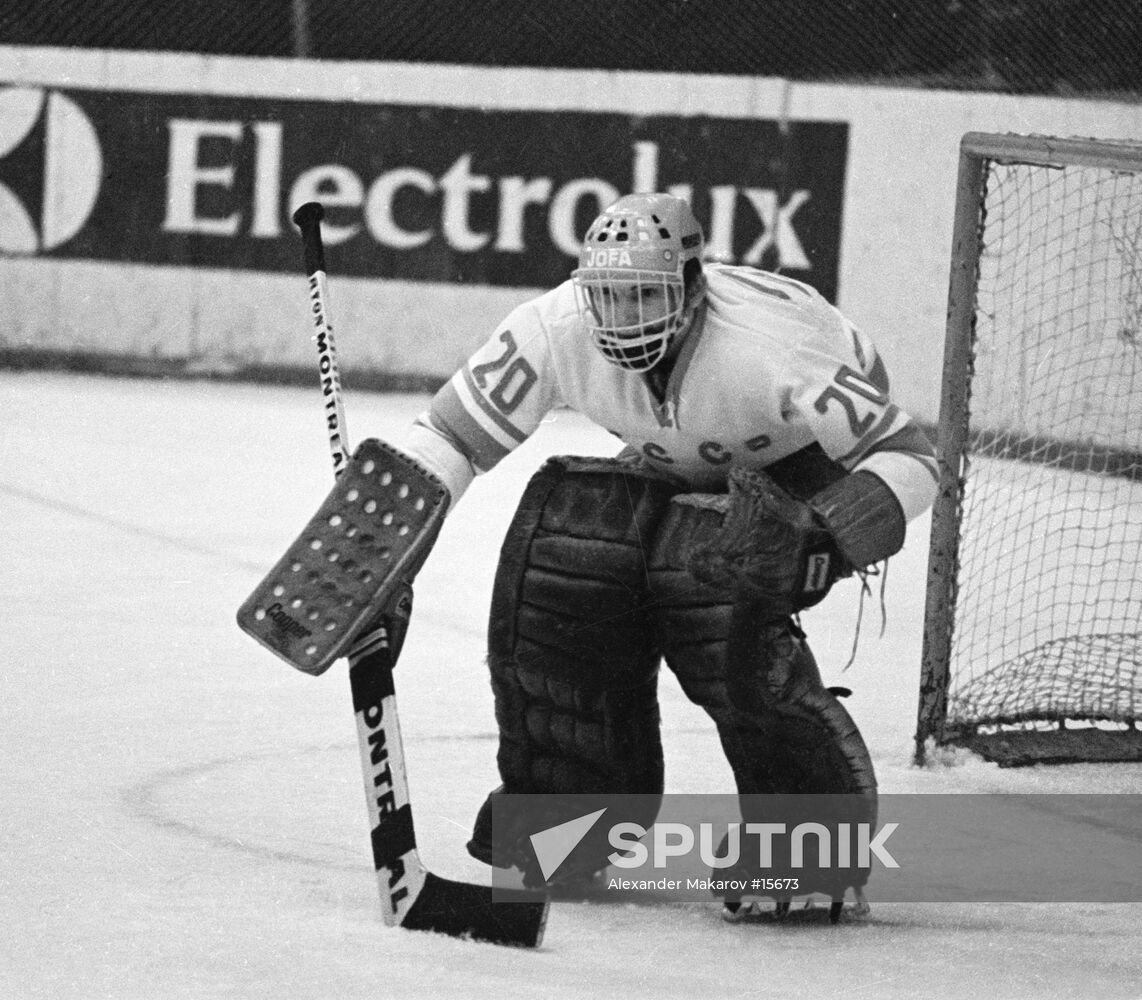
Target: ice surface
{"points": [[182, 812]]}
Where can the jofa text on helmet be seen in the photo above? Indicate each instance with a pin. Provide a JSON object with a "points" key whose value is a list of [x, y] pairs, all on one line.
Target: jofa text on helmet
{"points": [[607, 257]]}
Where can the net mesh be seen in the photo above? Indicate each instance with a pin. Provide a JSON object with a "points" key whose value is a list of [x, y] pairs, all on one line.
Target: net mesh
{"points": [[1048, 610]]}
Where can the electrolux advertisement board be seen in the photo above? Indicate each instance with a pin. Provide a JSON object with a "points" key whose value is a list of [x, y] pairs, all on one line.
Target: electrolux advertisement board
{"points": [[416, 193]]}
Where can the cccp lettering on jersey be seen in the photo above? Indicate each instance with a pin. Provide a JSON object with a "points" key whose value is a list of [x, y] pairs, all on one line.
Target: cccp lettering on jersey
{"points": [[657, 453], [715, 453]]}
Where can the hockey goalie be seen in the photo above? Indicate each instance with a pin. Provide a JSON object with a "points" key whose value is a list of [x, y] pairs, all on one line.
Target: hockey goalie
{"points": [[764, 459]]}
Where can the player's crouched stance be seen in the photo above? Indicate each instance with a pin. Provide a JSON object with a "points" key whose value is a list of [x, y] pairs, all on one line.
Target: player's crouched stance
{"points": [[606, 569], [767, 461]]}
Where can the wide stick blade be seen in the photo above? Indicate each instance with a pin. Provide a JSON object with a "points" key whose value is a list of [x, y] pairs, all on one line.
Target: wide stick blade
{"points": [[462, 909]]}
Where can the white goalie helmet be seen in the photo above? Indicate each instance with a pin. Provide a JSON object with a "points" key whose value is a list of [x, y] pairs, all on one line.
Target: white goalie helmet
{"points": [[630, 286]]}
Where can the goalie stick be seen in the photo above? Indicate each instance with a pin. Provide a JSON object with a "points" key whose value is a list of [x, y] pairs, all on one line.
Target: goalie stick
{"points": [[411, 895]]}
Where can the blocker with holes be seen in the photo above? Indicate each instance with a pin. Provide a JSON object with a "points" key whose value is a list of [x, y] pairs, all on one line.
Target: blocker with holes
{"points": [[373, 527]]}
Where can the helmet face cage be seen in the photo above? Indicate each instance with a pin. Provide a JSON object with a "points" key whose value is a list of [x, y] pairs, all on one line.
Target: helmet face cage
{"points": [[640, 344], [629, 284]]}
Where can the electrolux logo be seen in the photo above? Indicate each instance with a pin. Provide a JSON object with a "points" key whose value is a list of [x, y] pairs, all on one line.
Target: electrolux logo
{"points": [[51, 167], [412, 193]]}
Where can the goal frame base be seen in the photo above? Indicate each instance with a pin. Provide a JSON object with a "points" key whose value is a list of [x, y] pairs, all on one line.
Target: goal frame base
{"points": [[1081, 745]]}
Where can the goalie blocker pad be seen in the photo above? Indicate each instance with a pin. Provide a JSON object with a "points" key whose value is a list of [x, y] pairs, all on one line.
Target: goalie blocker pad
{"points": [[374, 530]]}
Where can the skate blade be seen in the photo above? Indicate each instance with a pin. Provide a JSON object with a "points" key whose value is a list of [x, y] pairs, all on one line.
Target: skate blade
{"points": [[783, 912]]}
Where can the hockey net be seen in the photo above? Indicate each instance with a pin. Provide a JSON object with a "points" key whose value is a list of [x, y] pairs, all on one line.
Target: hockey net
{"points": [[1033, 626]]}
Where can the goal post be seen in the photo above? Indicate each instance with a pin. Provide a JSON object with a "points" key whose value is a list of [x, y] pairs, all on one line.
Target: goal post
{"points": [[1033, 619]]}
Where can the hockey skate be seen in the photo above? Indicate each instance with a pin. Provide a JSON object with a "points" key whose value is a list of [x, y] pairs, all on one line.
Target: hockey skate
{"points": [[739, 912]]}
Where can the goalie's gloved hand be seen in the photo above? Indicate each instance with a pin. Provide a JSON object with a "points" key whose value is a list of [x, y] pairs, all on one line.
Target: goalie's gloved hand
{"points": [[788, 552], [774, 546], [369, 537], [397, 615], [394, 618]]}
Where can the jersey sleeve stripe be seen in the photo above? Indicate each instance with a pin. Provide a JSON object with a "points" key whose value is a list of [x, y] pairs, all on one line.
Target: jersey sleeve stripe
{"points": [[492, 420], [456, 419], [878, 375], [858, 348], [910, 441], [886, 425], [758, 285]]}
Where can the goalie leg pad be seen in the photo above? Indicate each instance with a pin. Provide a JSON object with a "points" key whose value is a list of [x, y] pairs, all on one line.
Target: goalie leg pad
{"points": [[692, 617], [369, 537], [742, 658], [793, 737], [571, 649], [810, 743], [750, 668]]}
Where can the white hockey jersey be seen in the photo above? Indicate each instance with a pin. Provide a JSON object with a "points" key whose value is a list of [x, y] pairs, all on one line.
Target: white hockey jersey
{"points": [[768, 368]]}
